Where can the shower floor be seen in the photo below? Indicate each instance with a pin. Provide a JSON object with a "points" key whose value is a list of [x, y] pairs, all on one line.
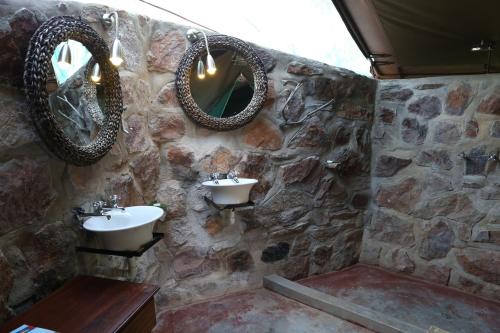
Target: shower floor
{"points": [[411, 300], [256, 311]]}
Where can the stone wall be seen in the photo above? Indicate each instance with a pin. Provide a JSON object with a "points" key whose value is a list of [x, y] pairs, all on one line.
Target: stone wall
{"points": [[435, 213], [307, 219]]}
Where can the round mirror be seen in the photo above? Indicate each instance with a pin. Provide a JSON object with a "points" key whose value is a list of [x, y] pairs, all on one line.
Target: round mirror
{"points": [[230, 96], [73, 90], [74, 99], [229, 91]]}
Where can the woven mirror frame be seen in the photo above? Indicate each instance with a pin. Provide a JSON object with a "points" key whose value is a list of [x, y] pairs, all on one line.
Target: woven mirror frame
{"points": [[38, 59], [186, 65]]}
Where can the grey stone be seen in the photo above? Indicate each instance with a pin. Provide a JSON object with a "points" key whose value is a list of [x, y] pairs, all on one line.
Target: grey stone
{"points": [[454, 206], [472, 181], [299, 68], [427, 107], [495, 129], [388, 166], [389, 228], [413, 132], [402, 196], [395, 93], [437, 159], [275, 252], [437, 239], [447, 132]]}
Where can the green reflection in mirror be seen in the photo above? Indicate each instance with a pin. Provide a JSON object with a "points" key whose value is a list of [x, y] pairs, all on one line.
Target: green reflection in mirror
{"points": [[229, 90]]}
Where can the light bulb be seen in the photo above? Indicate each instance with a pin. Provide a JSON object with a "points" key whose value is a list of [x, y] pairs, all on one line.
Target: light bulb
{"points": [[116, 53], [201, 70], [96, 73], [211, 69], [64, 58]]}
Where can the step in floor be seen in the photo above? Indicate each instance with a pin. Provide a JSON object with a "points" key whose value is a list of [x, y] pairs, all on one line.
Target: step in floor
{"points": [[411, 300], [256, 311]]}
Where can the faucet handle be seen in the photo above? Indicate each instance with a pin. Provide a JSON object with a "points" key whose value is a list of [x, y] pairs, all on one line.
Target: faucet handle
{"points": [[215, 177], [113, 200], [98, 206], [233, 174]]}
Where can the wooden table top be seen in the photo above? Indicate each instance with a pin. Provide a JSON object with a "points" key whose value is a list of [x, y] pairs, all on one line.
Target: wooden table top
{"points": [[86, 304]]}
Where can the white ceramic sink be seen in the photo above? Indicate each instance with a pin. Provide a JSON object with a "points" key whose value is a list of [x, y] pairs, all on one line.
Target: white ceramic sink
{"points": [[228, 192], [126, 230]]}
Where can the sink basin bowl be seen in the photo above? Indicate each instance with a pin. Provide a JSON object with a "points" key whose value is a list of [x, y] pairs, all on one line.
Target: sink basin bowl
{"points": [[126, 230], [228, 192]]}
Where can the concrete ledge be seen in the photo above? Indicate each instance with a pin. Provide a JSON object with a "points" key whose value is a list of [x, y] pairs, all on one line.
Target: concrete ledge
{"points": [[337, 307]]}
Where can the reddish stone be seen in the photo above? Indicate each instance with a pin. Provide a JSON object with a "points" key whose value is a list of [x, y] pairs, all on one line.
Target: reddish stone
{"points": [[402, 261], [354, 111], [296, 268], [221, 160], [166, 50], [300, 68], [6, 281], [341, 136], [388, 166], [168, 95], [26, 193], [437, 184], [213, 224], [263, 134], [471, 128], [402, 196], [146, 168], [458, 99], [437, 273], [239, 261], [482, 263], [321, 254], [298, 171], [179, 156], [190, 262], [386, 115], [490, 105], [135, 91], [311, 135], [427, 107], [136, 139], [360, 200], [447, 132], [166, 127]]}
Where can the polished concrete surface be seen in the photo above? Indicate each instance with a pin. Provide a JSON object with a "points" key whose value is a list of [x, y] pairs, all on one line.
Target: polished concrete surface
{"points": [[414, 301], [256, 311]]}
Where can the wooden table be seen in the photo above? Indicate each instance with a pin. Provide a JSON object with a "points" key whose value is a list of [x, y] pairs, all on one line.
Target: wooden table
{"points": [[89, 304]]}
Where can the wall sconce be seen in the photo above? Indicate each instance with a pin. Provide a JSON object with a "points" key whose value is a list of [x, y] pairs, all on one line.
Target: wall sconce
{"points": [[64, 58], [96, 73], [193, 36], [116, 57]]}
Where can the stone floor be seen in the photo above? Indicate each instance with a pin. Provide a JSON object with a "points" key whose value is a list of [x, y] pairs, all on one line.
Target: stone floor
{"points": [[257, 311], [420, 303]]}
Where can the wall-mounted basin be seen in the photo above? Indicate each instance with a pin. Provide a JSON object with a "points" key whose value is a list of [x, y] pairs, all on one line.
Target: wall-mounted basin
{"points": [[229, 192], [125, 230]]}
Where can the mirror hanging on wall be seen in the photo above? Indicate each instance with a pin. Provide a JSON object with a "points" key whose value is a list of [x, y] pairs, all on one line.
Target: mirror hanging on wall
{"points": [[229, 90], [74, 98]]}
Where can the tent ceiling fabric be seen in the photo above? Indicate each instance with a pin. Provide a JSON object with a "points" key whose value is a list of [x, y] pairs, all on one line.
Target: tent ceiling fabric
{"points": [[424, 37]]}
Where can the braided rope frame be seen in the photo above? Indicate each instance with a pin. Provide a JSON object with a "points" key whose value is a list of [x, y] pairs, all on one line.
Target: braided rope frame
{"points": [[38, 59], [186, 100]]}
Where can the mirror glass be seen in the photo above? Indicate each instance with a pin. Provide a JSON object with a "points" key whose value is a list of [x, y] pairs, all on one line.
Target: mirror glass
{"points": [[229, 90], [74, 99]]}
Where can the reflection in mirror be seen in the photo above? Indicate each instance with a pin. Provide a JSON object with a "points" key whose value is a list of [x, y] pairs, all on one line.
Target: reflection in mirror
{"points": [[227, 92], [74, 99]]}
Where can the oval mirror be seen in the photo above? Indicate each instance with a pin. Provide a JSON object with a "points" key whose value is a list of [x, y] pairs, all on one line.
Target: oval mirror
{"points": [[233, 95], [74, 99], [76, 108]]}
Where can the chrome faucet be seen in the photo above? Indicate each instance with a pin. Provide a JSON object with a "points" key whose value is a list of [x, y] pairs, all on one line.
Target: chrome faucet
{"points": [[233, 174], [215, 177], [107, 205]]}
